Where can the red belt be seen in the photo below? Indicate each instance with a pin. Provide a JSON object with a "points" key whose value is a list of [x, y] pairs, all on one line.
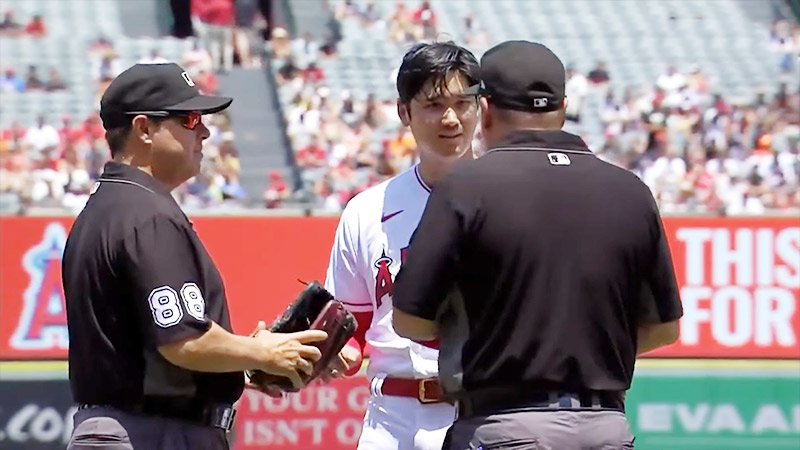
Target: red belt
{"points": [[426, 390]]}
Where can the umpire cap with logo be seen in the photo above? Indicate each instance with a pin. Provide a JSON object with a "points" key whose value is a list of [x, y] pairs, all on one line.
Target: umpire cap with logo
{"points": [[156, 89], [522, 75]]}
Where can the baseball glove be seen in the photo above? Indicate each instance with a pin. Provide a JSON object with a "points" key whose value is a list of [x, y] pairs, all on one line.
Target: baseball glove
{"points": [[314, 308]]}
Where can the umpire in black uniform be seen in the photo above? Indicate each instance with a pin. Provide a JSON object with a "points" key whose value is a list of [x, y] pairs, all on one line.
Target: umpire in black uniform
{"points": [[152, 361], [558, 264]]}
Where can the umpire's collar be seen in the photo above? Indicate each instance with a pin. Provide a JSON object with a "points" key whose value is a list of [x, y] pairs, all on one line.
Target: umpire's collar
{"points": [[542, 139], [124, 173]]}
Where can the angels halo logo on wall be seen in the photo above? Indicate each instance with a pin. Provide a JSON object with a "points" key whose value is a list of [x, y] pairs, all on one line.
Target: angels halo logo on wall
{"points": [[43, 321]]}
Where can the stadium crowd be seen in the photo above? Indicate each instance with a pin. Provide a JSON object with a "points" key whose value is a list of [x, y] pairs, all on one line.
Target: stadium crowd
{"points": [[698, 151], [55, 161]]}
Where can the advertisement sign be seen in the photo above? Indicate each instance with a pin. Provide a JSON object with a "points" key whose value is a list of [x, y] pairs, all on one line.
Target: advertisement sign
{"points": [[325, 417], [260, 261], [713, 412], [35, 415], [739, 280], [666, 409], [740, 287]]}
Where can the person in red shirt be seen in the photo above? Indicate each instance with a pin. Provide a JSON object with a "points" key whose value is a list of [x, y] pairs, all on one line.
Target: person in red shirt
{"points": [[425, 18], [313, 74], [213, 21], [277, 191], [36, 27], [207, 82], [312, 156]]}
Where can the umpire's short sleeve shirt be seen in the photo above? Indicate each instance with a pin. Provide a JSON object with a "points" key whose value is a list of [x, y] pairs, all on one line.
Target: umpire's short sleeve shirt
{"points": [[555, 258], [137, 277]]}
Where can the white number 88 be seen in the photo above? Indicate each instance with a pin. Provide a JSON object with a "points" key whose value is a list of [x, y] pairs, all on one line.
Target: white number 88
{"points": [[166, 309], [193, 298]]}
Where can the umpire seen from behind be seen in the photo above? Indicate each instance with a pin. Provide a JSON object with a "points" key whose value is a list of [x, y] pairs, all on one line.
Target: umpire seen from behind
{"points": [[557, 263], [152, 361]]}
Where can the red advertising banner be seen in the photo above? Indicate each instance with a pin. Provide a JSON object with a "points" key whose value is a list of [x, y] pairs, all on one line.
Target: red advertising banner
{"points": [[740, 287], [739, 279], [325, 417]]}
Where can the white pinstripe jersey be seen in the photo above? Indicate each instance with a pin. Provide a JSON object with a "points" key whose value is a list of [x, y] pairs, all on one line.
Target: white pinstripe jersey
{"points": [[371, 240]]}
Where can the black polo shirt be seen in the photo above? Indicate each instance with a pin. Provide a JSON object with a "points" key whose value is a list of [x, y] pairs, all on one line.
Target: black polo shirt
{"points": [[137, 277], [558, 258]]}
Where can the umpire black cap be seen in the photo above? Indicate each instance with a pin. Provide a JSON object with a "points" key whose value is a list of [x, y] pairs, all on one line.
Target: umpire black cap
{"points": [[155, 89], [522, 75]]}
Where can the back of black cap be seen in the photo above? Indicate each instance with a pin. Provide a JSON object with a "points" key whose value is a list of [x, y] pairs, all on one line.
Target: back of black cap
{"points": [[524, 76]]}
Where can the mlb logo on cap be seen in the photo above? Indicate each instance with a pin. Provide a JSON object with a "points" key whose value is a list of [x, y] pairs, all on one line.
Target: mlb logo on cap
{"points": [[540, 103], [559, 159]]}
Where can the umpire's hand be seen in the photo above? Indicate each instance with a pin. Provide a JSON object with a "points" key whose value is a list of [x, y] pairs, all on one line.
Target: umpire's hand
{"points": [[285, 353]]}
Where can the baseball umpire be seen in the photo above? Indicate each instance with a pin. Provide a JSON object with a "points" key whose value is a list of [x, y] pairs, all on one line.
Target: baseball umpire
{"points": [[558, 262], [152, 360]]}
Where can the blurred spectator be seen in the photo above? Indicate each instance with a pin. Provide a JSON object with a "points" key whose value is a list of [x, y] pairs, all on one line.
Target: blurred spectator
{"points": [[576, 89], [312, 156], [11, 82], [213, 23], [424, 20], [312, 74], [672, 81], [785, 40], [280, 46], [9, 26], [100, 46], [599, 75], [277, 190], [54, 81], [288, 72], [346, 9], [32, 80], [36, 27], [154, 57], [401, 25], [196, 59], [40, 137], [305, 51], [15, 171], [206, 82], [474, 34], [248, 33], [697, 82], [12, 137], [105, 65]]}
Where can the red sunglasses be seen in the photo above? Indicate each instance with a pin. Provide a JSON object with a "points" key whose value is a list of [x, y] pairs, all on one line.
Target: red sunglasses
{"points": [[190, 119]]}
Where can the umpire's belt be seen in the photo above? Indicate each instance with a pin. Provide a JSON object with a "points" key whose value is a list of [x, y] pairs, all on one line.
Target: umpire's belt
{"points": [[219, 415], [508, 398]]}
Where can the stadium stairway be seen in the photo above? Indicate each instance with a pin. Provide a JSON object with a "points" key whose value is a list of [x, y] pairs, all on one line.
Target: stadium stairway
{"points": [[145, 18], [257, 123]]}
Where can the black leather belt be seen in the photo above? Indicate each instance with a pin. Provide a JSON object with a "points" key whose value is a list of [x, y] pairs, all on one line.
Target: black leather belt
{"points": [[494, 400], [219, 415]]}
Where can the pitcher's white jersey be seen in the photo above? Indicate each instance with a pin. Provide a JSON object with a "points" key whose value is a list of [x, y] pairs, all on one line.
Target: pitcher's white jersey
{"points": [[370, 245]]}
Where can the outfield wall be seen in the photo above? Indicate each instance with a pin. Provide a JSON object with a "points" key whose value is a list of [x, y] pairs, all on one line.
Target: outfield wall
{"points": [[731, 382]]}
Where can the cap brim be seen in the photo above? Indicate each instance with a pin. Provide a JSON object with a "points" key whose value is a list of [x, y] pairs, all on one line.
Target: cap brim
{"points": [[205, 104]]}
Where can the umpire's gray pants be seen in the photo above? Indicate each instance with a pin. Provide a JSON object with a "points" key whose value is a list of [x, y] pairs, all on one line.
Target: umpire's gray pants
{"points": [[542, 430], [101, 428]]}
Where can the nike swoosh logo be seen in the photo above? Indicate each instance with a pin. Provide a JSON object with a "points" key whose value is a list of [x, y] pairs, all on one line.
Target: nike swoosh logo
{"points": [[389, 216]]}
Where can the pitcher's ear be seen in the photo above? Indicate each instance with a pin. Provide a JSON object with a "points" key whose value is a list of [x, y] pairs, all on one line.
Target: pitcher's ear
{"points": [[404, 113]]}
